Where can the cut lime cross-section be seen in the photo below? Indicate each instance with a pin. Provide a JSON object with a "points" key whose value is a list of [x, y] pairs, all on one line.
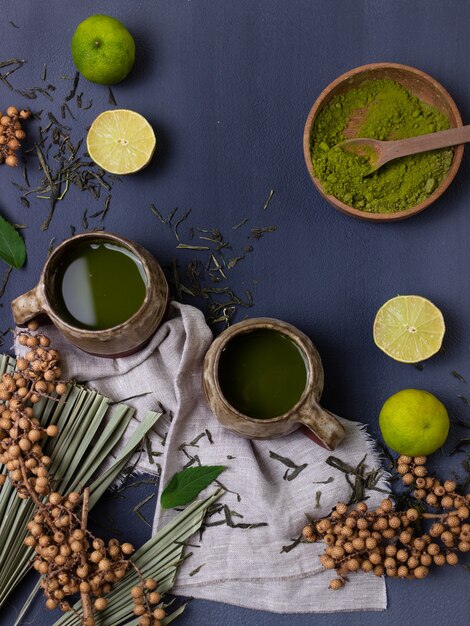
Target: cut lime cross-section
{"points": [[409, 329], [121, 141]]}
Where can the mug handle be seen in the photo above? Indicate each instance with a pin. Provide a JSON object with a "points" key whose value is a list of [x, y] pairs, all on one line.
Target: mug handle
{"points": [[322, 425], [27, 306]]}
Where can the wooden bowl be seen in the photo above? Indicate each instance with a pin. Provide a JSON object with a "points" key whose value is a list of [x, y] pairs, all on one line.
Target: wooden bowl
{"points": [[417, 83]]}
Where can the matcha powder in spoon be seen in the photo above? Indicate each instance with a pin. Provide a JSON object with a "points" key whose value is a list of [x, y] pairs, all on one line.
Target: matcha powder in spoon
{"points": [[391, 112]]}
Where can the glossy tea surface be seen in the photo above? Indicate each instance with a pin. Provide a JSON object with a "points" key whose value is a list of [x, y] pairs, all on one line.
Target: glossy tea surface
{"points": [[99, 285], [262, 373]]}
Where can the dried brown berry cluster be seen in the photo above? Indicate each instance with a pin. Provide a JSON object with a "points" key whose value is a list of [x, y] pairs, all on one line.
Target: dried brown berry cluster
{"points": [[391, 542], [11, 134], [70, 558], [67, 555], [145, 598], [36, 375]]}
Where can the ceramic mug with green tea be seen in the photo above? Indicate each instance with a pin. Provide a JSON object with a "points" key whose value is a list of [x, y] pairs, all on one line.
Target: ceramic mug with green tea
{"points": [[263, 378], [106, 294]]}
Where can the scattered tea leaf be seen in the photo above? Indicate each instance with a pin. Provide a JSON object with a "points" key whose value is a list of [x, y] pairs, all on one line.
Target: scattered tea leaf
{"points": [[25, 173], [192, 459], [296, 469], [111, 98], [463, 443], [156, 212], [266, 204], [291, 546], [458, 376], [464, 399], [184, 487], [225, 488], [234, 261], [317, 499], [12, 247], [180, 221], [257, 233], [229, 514], [197, 570], [282, 459], [205, 278], [186, 246], [73, 91], [240, 224], [460, 422], [466, 480], [387, 456], [5, 280], [193, 443], [324, 482], [137, 508], [150, 452], [136, 395], [171, 215], [51, 246], [363, 479], [66, 109]]}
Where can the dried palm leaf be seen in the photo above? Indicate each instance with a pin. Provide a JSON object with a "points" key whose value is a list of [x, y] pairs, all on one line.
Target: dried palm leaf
{"points": [[159, 559], [88, 431]]}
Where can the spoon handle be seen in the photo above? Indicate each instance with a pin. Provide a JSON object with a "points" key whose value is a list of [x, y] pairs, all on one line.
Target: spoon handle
{"points": [[422, 143]]}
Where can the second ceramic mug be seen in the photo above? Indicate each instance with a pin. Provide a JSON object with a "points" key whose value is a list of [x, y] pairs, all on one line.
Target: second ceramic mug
{"points": [[325, 427], [120, 340]]}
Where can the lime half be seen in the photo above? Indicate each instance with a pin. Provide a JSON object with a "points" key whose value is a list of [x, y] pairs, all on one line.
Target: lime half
{"points": [[409, 329], [121, 141]]}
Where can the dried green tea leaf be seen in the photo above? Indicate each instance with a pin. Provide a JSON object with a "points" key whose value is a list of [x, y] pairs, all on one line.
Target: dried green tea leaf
{"points": [[296, 469], [187, 484], [266, 204], [458, 376], [291, 546], [197, 570], [12, 248], [460, 446], [464, 399], [329, 480]]}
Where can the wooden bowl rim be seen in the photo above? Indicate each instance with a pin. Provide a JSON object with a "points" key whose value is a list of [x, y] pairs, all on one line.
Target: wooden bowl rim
{"points": [[382, 217]]}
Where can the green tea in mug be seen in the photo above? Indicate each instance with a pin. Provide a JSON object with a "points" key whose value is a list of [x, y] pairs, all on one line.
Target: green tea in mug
{"points": [[262, 373], [99, 285]]}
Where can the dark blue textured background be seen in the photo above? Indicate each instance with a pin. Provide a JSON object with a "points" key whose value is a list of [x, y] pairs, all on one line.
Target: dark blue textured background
{"points": [[227, 86]]}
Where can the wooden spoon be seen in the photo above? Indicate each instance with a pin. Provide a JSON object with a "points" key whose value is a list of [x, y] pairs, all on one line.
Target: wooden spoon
{"points": [[381, 152]]}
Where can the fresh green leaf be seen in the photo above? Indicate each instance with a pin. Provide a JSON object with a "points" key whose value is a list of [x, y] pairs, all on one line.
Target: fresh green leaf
{"points": [[12, 248], [187, 484]]}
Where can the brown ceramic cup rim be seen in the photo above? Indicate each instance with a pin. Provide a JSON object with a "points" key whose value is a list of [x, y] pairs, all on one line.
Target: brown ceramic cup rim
{"points": [[325, 428], [48, 269], [323, 98], [294, 335]]}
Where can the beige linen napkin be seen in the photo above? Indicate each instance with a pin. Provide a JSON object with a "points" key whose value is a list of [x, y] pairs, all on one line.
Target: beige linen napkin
{"points": [[235, 563]]}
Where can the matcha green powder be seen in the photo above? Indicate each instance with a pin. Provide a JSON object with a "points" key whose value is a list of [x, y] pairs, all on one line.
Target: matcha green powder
{"points": [[392, 113]]}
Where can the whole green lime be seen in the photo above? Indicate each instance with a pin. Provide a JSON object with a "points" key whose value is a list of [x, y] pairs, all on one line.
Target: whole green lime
{"points": [[414, 422], [103, 49]]}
